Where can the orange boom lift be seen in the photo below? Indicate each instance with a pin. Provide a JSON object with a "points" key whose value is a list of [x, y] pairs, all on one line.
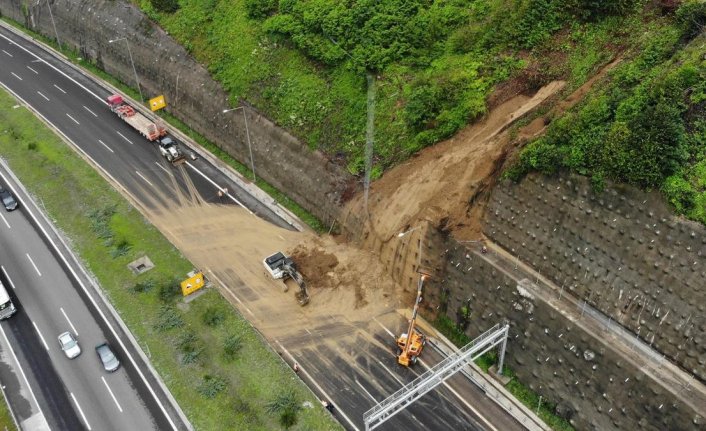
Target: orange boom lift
{"points": [[412, 343]]}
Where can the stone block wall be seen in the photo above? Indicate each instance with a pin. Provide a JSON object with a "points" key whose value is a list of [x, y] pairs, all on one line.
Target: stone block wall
{"points": [[164, 67], [589, 382], [621, 250]]}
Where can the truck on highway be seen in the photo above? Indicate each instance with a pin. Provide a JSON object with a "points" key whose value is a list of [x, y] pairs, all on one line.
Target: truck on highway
{"points": [[171, 151], [7, 308], [152, 130]]}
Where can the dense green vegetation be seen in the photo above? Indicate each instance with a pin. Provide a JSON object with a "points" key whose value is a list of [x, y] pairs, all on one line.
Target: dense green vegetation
{"points": [[6, 421], [215, 364], [647, 125], [303, 62]]}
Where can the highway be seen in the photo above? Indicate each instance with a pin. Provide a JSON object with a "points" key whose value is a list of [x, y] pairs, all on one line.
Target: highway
{"points": [[75, 106], [70, 393]]}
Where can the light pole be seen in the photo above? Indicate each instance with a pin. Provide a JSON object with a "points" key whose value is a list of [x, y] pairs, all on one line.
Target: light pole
{"points": [[247, 133], [419, 256], [51, 15], [131, 62]]}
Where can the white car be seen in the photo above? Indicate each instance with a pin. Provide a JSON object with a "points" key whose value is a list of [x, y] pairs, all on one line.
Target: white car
{"points": [[69, 345]]}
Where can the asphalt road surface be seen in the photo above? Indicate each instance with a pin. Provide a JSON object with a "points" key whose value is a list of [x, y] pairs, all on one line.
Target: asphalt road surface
{"points": [[71, 393], [76, 106]]}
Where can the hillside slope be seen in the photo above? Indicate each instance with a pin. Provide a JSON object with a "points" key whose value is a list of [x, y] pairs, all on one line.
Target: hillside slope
{"points": [[303, 63]]}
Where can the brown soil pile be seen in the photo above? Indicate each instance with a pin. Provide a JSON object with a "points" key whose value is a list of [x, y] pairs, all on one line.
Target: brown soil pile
{"points": [[316, 265]]}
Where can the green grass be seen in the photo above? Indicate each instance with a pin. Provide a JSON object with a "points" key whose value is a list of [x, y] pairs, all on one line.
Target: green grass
{"points": [[523, 393], [6, 422], [71, 191]]}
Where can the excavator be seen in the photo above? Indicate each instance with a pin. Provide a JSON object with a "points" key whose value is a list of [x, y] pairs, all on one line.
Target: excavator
{"points": [[411, 343], [283, 267]]}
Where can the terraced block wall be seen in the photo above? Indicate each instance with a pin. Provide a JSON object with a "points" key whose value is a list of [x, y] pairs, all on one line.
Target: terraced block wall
{"points": [[621, 250], [592, 384]]}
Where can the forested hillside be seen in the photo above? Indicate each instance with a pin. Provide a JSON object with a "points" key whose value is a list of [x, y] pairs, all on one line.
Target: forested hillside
{"points": [[304, 63]]}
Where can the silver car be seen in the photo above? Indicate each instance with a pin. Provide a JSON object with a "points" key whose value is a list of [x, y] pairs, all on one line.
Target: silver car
{"points": [[69, 345], [108, 359]]}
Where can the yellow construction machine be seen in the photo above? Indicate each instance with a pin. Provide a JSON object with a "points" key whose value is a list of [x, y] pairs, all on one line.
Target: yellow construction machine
{"points": [[412, 342]]}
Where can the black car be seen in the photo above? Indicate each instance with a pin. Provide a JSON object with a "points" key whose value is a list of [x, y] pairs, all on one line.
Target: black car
{"points": [[8, 200]]}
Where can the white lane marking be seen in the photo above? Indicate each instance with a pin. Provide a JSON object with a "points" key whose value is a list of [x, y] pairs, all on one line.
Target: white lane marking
{"points": [[217, 186], [8, 277], [53, 67], [6, 223], [45, 97], [59, 88], [16, 75], [159, 165], [303, 371], [86, 108], [80, 410], [111, 394], [109, 149], [389, 371], [463, 400], [33, 70], [123, 136], [73, 328], [75, 261], [41, 337], [366, 391], [146, 180], [67, 114], [7, 53], [24, 376], [33, 264], [383, 327]]}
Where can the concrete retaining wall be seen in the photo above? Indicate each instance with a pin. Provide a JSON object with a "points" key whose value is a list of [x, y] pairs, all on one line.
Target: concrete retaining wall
{"points": [[164, 67], [592, 385], [620, 250]]}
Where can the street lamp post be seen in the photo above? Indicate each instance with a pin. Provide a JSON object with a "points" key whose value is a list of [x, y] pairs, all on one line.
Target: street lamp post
{"points": [[51, 15], [247, 133], [419, 256], [142, 99]]}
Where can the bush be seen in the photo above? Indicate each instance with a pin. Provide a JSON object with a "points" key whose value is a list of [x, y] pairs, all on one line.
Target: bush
{"points": [[211, 385], [260, 9], [679, 193], [213, 316], [169, 318], [168, 6], [287, 406], [231, 346], [144, 286], [120, 248], [169, 290], [691, 18]]}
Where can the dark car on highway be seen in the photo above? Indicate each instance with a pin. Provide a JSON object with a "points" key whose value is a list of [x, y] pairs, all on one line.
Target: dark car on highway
{"points": [[8, 200], [108, 359]]}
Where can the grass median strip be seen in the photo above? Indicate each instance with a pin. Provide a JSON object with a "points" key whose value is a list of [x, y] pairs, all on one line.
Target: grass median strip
{"points": [[217, 367]]}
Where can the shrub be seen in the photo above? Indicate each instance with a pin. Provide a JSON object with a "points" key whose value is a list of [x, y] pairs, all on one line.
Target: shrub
{"points": [[287, 406], [168, 6], [213, 316], [144, 286], [691, 18], [260, 9], [169, 290], [211, 385], [679, 193], [120, 248], [168, 318], [231, 346]]}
